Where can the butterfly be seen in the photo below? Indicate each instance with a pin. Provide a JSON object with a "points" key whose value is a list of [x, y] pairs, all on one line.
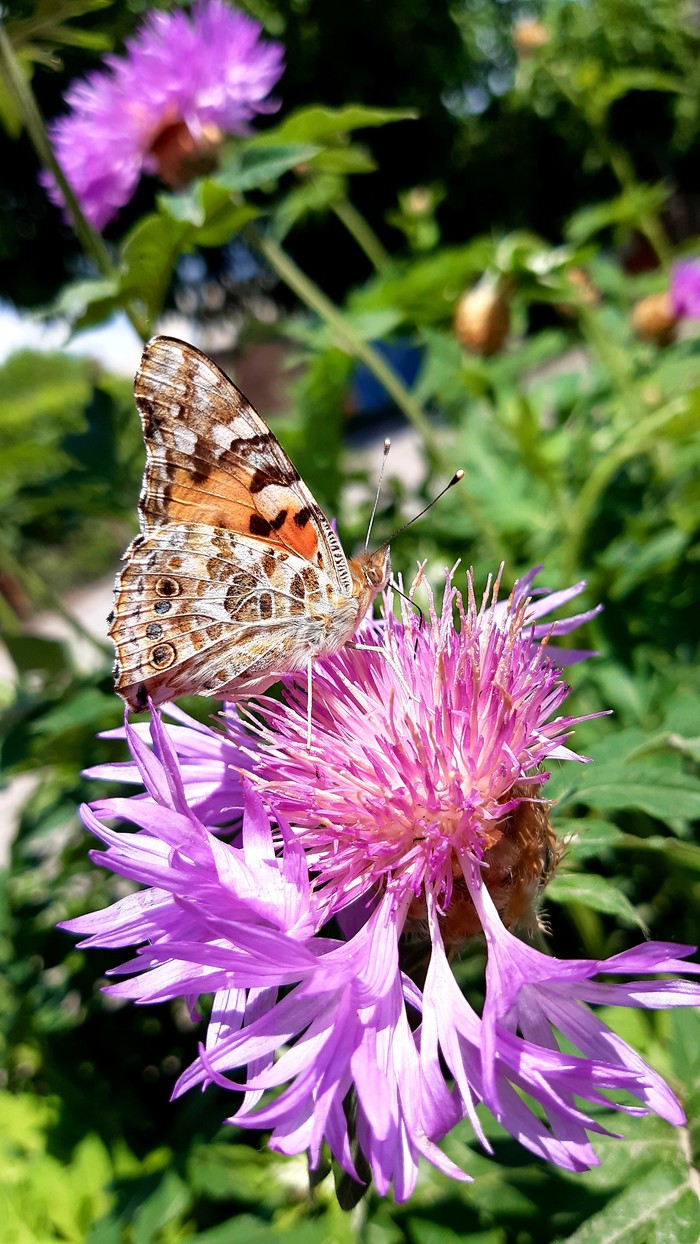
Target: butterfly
{"points": [[237, 576]]}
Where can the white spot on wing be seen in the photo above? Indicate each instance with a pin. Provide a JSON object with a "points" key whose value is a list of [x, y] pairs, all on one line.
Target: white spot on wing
{"points": [[222, 436], [185, 439], [243, 429]]}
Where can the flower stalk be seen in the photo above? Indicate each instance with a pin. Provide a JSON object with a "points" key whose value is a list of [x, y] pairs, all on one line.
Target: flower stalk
{"points": [[359, 229], [91, 242], [20, 88], [347, 337]]}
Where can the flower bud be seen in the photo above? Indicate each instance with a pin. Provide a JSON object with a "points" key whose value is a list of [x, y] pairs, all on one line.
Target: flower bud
{"points": [[584, 289], [654, 320], [529, 36], [581, 293], [482, 319]]}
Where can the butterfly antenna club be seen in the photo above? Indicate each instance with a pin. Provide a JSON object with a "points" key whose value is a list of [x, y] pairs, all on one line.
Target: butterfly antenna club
{"points": [[458, 475]]}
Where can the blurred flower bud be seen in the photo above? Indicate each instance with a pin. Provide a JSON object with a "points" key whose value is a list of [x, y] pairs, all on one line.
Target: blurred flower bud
{"points": [[482, 319], [654, 319], [418, 201], [582, 292], [584, 289], [529, 36]]}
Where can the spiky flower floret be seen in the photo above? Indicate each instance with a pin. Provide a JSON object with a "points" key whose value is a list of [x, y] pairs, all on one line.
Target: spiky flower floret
{"points": [[302, 951], [184, 81]]}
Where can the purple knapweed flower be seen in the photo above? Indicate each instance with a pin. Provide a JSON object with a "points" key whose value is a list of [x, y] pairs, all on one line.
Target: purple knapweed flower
{"points": [[685, 289], [320, 895], [163, 107]]}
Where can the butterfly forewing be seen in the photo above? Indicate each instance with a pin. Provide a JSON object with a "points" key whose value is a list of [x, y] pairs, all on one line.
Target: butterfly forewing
{"points": [[213, 460]]}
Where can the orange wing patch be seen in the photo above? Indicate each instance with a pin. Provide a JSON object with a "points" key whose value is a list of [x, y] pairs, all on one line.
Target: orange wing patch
{"points": [[223, 500]]}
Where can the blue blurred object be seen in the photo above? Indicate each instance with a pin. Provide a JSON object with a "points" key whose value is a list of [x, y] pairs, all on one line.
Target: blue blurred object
{"points": [[367, 395]]}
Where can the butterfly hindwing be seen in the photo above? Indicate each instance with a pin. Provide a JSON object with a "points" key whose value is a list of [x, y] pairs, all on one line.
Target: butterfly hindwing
{"points": [[205, 608]]}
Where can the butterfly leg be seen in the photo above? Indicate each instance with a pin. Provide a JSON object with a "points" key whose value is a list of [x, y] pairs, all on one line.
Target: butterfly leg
{"points": [[309, 701]]}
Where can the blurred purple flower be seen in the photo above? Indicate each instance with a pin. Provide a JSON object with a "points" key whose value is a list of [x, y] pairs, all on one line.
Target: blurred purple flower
{"points": [[296, 887], [685, 288], [163, 107]]}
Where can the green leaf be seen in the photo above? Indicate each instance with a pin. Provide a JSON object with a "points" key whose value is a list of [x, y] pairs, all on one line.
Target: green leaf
{"points": [[47, 26], [30, 653], [344, 160], [632, 772], [210, 209], [147, 260], [425, 290], [628, 208], [320, 125], [424, 1232], [169, 1203], [257, 165], [10, 115], [660, 1208], [618, 84], [684, 1046], [246, 1227], [86, 302], [314, 194], [84, 708], [665, 795], [685, 855], [588, 839], [595, 892]]}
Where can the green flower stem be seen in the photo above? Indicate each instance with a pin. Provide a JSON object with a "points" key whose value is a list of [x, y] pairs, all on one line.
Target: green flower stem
{"points": [[91, 242], [11, 70], [650, 223], [349, 339], [617, 361], [637, 439], [362, 232]]}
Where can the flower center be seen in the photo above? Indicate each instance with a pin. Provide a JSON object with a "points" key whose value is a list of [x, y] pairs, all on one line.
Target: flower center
{"points": [[521, 855], [177, 155]]}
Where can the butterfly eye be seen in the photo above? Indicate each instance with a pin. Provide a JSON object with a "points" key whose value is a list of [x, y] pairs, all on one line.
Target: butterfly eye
{"points": [[376, 572]]}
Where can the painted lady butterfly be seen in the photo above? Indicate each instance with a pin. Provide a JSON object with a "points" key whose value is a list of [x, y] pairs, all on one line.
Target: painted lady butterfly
{"points": [[237, 576]]}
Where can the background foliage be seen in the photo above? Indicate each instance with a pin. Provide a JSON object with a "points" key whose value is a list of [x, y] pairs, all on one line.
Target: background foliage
{"points": [[434, 149]]}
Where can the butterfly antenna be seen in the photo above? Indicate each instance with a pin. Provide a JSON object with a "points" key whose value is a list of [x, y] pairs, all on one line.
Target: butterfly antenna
{"points": [[458, 475], [411, 601], [387, 447]]}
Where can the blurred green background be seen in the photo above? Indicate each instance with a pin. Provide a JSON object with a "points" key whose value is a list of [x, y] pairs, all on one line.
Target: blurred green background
{"points": [[548, 156]]}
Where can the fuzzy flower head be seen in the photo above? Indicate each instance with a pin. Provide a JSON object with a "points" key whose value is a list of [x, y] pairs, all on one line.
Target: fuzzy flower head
{"points": [[429, 743], [163, 107], [294, 884]]}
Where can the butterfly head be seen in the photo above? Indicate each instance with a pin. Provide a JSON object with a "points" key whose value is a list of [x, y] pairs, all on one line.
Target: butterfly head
{"points": [[370, 574]]}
